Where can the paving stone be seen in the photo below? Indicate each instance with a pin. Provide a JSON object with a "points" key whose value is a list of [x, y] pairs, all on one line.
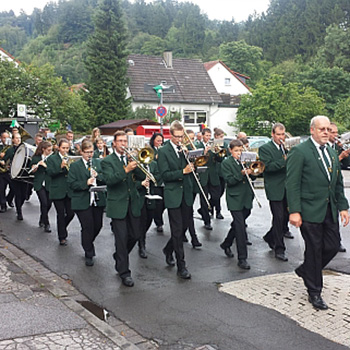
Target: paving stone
{"points": [[286, 294]]}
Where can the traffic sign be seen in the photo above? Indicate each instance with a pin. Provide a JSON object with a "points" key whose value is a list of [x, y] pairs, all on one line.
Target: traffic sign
{"points": [[161, 111]]}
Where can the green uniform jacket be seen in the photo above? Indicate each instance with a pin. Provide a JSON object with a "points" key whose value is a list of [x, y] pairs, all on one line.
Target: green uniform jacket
{"points": [[275, 171], [308, 190], [40, 175], [176, 184], [121, 188], [9, 154], [77, 182], [97, 154], [239, 195], [212, 173], [58, 187]]}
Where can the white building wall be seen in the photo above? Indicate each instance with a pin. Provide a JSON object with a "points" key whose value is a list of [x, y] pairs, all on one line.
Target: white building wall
{"points": [[4, 56], [219, 73], [220, 118]]}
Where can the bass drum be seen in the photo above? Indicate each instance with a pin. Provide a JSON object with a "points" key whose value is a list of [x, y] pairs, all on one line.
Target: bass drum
{"points": [[21, 163]]}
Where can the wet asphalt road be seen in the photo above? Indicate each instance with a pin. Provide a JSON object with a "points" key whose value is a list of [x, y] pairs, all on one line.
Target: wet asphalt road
{"points": [[160, 306]]}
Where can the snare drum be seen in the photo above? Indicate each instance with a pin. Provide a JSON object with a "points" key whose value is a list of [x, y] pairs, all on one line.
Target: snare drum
{"points": [[21, 162]]}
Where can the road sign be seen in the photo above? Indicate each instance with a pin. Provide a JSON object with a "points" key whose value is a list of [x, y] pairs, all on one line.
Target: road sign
{"points": [[161, 111], [21, 110]]}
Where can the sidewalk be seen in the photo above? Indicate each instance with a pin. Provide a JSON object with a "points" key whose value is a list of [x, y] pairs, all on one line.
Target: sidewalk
{"points": [[39, 310]]}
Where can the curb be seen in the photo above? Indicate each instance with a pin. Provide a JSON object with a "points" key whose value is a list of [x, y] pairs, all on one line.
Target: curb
{"points": [[41, 273]]}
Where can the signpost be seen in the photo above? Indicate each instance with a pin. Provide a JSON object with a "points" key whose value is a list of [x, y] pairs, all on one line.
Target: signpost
{"points": [[21, 110], [161, 111]]}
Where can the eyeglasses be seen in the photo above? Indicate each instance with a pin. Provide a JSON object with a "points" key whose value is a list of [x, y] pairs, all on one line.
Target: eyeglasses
{"points": [[324, 129], [87, 152], [178, 137]]}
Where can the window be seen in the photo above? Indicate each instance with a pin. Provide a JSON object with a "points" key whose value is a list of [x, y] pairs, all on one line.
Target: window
{"points": [[194, 117], [227, 81]]}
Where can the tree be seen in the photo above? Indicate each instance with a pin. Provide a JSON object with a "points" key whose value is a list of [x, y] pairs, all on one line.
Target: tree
{"points": [[342, 115], [242, 58], [272, 101], [107, 65], [45, 95], [336, 50]]}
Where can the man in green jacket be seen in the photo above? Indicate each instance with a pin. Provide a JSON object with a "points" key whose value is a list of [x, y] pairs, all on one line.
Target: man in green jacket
{"points": [[273, 155], [315, 195], [178, 195], [123, 204]]}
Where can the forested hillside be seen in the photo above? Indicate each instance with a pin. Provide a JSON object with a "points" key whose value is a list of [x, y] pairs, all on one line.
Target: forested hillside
{"points": [[304, 42]]}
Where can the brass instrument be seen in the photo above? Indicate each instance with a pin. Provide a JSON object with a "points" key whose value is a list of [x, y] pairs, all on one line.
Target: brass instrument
{"points": [[184, 150], [187, 141], [145, 156], [251, 184], [251, 161], [216, 146], [52, 141], [24, 133], [6, 166], [69, 160]]}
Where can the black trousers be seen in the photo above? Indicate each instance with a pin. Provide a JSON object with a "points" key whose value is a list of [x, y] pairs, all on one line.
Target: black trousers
{"points": [[146, 218], [126, 234], [190, 223], [65, 215], [322, 243], [5, 180], [91, 220], [216, 204], [45, 205], [158, 212], [280, 218], [178, 219], [20, 189], [237, 231]]}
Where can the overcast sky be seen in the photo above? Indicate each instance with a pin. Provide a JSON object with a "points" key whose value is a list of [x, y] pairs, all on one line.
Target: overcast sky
{"points": [[215, 9]]}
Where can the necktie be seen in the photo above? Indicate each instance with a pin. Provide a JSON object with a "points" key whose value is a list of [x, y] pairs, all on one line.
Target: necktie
{"points": [[88, 165], [322, 148], [122, 158]]}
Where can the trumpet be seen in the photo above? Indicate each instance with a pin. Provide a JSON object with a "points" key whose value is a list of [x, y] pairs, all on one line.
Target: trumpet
{"points": [[145, 156]]}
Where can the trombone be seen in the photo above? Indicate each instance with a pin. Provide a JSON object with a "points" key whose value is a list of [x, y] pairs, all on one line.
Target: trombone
{"points": [[185, 152], [145, 156], [250, 183]]}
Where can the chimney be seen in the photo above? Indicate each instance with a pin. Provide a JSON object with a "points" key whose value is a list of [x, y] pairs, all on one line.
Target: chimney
{"points": [[168, 58]]}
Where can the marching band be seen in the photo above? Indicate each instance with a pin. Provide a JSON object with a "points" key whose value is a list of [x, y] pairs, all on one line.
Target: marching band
{"points": [[134, 184]]}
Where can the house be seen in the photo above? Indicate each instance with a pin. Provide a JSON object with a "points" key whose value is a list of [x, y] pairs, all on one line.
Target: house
{"points": [[189, 89], [111, 128], [231, 86], [4, 55]]}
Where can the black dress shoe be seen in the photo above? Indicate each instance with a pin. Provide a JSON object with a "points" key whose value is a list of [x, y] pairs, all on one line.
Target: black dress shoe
{"points": [[128, 281], [10, 204], [341, 249], [142, 253], [317, 302], [63, 242], [19, 216], [219, 216], [281, 256], [271, 246], [89, 261], [169, 258], [288, 234], [208, 227], [184, 239], [183, 273], [195, 242], [41, 224], [160, 229], [3, 209], [47, 228], [243, 264], [247, 242], [227, 250]]}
